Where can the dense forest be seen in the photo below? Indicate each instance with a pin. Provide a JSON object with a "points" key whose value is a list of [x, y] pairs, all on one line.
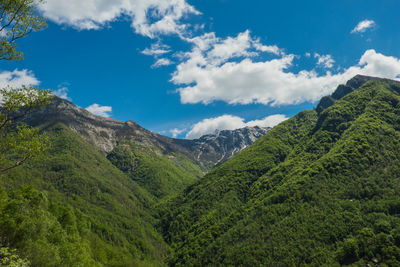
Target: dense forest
{"points": [[321, 188], [72, 207]]}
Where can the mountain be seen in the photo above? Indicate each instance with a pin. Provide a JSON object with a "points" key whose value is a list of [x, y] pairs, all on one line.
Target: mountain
{"points": [[213, 149], [91, 200], [161, 165], [105, 134], [320, 189], [73, 207]]}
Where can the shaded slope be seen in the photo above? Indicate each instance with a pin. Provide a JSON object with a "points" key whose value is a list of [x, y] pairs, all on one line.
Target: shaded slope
{"points": [[322, 190], [111, 210], [161, 174]]}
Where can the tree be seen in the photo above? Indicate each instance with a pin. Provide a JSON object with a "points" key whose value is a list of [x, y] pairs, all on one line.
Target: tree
{"points": [[18, 18], [18, 142]]}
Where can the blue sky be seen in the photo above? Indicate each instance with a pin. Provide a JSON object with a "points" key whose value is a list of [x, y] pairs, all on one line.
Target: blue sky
{"points": [[228, 63]]}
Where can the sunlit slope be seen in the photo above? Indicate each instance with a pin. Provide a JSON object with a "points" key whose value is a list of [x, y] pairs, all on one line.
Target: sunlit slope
{"points": [[322, 188]]}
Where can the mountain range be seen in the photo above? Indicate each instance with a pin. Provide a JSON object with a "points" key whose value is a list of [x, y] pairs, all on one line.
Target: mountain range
{"points": [[105, 134], [320, 189]]}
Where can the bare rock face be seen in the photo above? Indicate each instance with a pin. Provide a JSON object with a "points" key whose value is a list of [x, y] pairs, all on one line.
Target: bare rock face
{"points": [[105, 134], [217, 148]]}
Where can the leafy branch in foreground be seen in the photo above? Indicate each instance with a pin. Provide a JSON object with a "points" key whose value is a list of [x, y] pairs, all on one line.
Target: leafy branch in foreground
{"points": [[18, 18], [18, 142]]}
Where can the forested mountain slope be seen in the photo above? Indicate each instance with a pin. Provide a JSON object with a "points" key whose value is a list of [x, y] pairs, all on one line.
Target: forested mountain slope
{"points": [[161, 165], [322, 188], [161, 174], [105, 134], [74, 208], [90, 200]]}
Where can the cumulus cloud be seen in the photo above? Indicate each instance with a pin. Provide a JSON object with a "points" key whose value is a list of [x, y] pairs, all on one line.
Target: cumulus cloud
{"points": [[175, 132], [269, 121], [161, 62], [102, 111], [209, 73], [230, 122], [149, 17], [17, 78], [208, 126], [62, 92], [325, 61], [208, 49], [364, 25]]}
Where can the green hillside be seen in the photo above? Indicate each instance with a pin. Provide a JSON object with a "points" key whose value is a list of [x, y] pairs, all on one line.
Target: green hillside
{"points": [[161, 174], [321, 189], [74, 208]]}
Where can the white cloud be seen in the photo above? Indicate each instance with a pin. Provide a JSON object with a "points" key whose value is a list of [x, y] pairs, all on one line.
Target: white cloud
{"points": [[103, 111], [211, 50], [223, 50], [208, 126], [62, 92], [362, 26], [269, 121], [156, 49], [205, 78], [149, 17], [17, 78], [324, 60], [229, 122], [161, 62], [273, 49], [175, 132]]}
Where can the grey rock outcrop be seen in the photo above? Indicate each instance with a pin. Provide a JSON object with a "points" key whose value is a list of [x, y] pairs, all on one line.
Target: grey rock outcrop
{"points": [[106, 133]]}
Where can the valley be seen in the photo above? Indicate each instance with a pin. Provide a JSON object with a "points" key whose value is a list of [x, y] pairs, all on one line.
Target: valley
{"points": [[318, 189]]}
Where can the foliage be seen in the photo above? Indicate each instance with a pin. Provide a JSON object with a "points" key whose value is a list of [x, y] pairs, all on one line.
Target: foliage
{"points": [[320, 189], [19, 143], [160, 174], [9, 258], [90, 206], [317, 190], [84, 211], [42, 231], [18, 18]]}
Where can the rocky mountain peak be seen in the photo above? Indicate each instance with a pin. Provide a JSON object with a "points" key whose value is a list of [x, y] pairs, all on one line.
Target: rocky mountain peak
{"points": [[222, 145], [106, 133]]}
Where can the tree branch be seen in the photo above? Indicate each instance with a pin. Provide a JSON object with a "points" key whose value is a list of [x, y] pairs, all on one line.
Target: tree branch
{"points": [[15, 165], [13, 18], [4, 11]]}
